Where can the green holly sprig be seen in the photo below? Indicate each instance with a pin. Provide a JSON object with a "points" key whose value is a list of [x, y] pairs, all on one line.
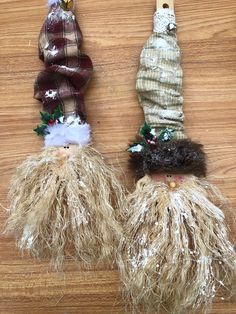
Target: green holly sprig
{"points": [[48, 120], [150, 137]]}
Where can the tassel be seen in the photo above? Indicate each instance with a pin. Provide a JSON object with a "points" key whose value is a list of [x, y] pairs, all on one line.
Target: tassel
{"points": [[62, 199], [175, 253]]}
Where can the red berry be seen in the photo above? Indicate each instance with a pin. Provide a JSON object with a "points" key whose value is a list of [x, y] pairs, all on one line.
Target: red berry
{"points": [[51, 122]]}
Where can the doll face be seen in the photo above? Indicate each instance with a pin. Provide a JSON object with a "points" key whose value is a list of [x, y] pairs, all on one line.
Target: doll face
{"points": [[172, 180], [64, 152]]}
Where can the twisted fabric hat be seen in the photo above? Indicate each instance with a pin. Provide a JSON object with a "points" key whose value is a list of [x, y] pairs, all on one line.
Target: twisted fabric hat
{"points": [[65, 79]]}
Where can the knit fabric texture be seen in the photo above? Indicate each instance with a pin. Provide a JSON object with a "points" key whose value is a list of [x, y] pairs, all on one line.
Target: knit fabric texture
{"points": [[159, 79]]}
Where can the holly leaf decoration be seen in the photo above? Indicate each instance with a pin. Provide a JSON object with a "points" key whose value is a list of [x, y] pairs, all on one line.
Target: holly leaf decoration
{"points": [[48, 120], [41, 129], [150, 138], [45, 117], [145, 130], [148, 132], [57, 114]]}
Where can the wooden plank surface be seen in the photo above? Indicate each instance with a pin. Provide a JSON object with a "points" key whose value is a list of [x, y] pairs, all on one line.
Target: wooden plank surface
{"points": [[114, 33]]}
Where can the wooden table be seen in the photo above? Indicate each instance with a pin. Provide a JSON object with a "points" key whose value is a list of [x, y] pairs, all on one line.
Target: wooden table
{"points": [[114, 33]]}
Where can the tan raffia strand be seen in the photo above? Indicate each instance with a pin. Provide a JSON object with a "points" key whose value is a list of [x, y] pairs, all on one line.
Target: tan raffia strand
{"points": [[175, 255], [62, 202]]}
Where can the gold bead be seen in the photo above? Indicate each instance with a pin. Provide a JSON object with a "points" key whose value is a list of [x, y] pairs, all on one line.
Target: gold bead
{"points": [[172, 184], [66, 5]]}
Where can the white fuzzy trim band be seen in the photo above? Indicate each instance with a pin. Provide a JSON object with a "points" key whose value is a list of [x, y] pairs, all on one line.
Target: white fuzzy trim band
{"points": [[63, 134]]}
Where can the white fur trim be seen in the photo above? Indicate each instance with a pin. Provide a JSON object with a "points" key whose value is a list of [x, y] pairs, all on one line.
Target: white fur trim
{"points": [[62, 135]]}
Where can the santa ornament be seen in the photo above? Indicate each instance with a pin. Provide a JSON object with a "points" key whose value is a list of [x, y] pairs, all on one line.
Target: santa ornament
{"points": [[176, 252], [62, 199]]}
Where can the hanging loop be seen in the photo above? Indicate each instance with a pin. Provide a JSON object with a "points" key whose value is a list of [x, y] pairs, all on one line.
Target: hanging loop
{"points": [[165, 4]]}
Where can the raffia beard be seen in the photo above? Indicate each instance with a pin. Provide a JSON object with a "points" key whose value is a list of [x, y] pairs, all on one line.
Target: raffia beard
{"points": [[175, 254], [63, 203]]}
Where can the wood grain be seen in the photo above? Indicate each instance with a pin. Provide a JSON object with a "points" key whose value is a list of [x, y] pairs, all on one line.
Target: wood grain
{"points": [[114, 33]]}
